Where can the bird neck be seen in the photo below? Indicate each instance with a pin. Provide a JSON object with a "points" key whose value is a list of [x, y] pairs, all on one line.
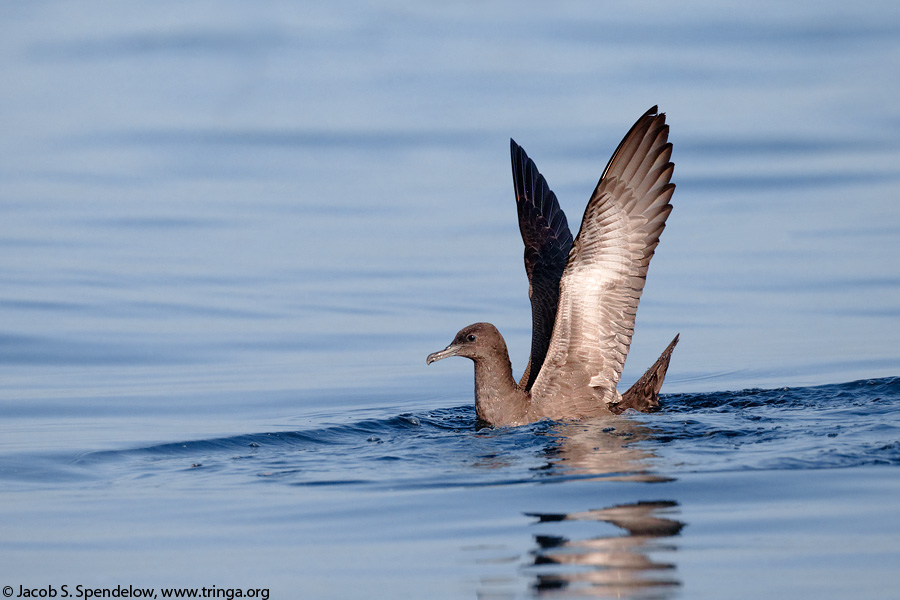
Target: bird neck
{"points": [[498, 400]]}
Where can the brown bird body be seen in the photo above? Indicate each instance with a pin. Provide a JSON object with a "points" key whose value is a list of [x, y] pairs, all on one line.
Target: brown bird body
{"points": [[584, 292]]}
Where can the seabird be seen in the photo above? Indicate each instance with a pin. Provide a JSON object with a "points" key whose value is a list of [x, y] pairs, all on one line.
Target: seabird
{"points": [[584, 291]]}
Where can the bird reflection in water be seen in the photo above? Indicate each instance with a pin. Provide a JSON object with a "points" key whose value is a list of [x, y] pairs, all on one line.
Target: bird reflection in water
{"points": [[614, 566], [609, 448], [617, 564]]}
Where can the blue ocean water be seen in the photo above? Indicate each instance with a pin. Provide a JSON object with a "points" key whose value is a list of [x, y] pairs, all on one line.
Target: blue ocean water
{"points": [[230, 233]]}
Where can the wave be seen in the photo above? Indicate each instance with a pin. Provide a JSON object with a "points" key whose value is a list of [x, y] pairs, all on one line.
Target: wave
{"points": [[829, 426]]}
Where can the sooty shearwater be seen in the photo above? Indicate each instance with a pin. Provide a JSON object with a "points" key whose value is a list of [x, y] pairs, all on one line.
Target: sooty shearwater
{"points": [[584, 292]]}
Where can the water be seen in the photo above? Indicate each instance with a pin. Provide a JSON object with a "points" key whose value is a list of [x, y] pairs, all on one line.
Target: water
{"points": [[230, 233]]}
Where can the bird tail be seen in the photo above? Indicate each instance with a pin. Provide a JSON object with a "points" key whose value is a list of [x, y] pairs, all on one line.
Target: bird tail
{"points": [[644, 394]]}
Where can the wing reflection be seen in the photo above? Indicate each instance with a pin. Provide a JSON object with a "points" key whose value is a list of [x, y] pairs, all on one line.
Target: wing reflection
{"points": [[612, 566]]}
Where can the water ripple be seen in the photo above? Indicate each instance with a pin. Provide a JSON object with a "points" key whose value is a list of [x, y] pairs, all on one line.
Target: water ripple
{"points": [[752, 429]]}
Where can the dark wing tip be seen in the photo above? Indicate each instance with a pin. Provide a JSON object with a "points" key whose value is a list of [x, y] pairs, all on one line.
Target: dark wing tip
{"points": [[652, 114], [516, 151], [519, 161]]}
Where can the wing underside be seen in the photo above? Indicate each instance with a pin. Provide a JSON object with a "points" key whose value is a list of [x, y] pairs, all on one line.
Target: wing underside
{"points": [[602, 283]]}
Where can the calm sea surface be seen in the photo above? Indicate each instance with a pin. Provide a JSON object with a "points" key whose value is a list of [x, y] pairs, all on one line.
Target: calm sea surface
{"points": [[231, 232]]}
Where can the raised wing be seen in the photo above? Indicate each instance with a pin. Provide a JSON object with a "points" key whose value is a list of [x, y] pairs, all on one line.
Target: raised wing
{"points": [[603, 280], [548, 240]]}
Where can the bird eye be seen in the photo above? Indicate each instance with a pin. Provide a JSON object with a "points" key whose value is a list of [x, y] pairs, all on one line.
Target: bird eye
{"points": [[471, 337]]}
